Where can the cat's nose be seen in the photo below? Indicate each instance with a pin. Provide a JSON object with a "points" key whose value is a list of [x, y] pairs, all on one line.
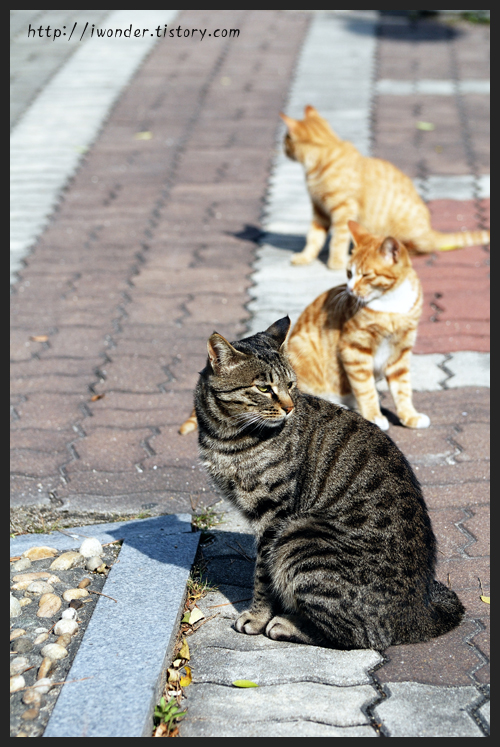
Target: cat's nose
{"points": [[287, 408]]}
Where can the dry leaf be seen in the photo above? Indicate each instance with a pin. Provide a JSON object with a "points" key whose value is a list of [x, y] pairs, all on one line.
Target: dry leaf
{"points": [[95, 397], [244, 683], [161, 730], [39, 338], [186, 679], [172, 675], [184, 652], [143, 135], [195, 615], [486, 600]]}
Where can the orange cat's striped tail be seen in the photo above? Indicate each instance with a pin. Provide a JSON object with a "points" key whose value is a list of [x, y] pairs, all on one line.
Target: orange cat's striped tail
{"points": [[444, 242]]}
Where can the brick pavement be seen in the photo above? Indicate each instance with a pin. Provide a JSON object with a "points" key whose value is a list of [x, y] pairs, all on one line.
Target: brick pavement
{"points": [[147, 254]]}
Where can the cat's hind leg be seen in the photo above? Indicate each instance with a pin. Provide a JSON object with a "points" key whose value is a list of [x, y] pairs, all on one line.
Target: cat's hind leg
{"points": [[341, 238], [315, 239]]}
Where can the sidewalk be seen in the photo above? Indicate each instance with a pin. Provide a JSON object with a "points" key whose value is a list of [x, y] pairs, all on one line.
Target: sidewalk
{"points": [[157, 241]]}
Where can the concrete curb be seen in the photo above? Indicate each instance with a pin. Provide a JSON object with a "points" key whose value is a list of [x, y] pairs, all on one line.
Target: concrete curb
{"points": [[128, 643]]}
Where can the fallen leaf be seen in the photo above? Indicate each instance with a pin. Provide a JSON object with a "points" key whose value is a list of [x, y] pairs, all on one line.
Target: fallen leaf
{"points": [[427, 126], [39, 338], [143, 135], [244, 683], [185, 618], [195, 615], [161, 730], [184, 652], [172, 675], [186, 679], [95, 397], [486, 600]]}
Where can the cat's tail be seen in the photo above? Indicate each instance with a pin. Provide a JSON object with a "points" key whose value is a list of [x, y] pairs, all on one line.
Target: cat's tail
{"points": [[189, 425], [443, 242], [447, 608]]}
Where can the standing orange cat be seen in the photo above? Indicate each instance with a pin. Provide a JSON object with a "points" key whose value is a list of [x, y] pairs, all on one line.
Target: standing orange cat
{"points": [[354, 334], [344, 185]]}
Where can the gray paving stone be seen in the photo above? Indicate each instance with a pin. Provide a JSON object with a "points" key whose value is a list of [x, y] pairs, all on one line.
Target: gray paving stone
{"points": [[415, 710], [469, 369], [326, 704], [291, 728], [299, 664]]}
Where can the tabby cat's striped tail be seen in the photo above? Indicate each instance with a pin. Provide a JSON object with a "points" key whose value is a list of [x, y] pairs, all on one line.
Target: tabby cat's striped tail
{"points": [[448, 608], [443, 242]]}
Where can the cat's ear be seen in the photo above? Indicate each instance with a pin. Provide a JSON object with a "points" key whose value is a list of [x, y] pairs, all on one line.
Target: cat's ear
{"points": [[290, 123], [310, 111], [358, 233], [390, 250], [279, 330], [221, 353]]}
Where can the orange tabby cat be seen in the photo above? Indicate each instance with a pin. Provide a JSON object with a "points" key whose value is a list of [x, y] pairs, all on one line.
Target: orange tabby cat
{"points": [[344, 185], [354, 334]]}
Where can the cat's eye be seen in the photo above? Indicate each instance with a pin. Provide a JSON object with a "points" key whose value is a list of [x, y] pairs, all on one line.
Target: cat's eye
{"points": [[349, 274], [290, 384], [264, 388]]}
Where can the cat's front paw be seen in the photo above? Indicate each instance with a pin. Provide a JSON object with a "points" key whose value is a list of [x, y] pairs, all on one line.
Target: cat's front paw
{"points": [[382, 422], [250, 623], [419, 420], [301, 259], [280, 629]]}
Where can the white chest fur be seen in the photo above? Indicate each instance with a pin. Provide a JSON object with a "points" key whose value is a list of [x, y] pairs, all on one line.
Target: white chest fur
{"points": [[397, 301], [381, 357]]}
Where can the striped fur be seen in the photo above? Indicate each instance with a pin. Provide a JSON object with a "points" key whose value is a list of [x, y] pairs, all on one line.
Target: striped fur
{"points": [[344, 185], [355, 334], [345, 548]]}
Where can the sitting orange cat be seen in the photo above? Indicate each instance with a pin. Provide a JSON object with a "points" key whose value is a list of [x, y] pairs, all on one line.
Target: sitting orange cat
{"points": [[354, 334], [344, 185]]}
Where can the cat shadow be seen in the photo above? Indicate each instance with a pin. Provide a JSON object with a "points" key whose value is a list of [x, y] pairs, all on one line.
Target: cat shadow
{"points": [[286, 241]]}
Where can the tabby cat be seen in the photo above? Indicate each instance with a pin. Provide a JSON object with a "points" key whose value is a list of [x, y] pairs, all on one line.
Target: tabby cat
{"points": [[344, 185], [345, 547], [354, 334]]}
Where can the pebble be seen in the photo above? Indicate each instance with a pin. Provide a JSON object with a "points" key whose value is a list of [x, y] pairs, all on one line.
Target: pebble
{"points": [[54, 651], [69, 614], [30, 714], [91, 547], [25, 579], [39, 553], [71, 594], [64, 640], [84, 583], [43, 685], [41, 637], [45, 668], [21, 564], [15, 607], [93, 563], [17, 682], [22, 645], [66, 560], [48, 606], [16, 633], [18, 665], [25, 601], [66, 626], [40, 587], [32, 697]]}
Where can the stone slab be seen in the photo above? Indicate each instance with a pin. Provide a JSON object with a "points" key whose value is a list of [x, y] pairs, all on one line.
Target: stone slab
{"points": [[446, 709]]}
